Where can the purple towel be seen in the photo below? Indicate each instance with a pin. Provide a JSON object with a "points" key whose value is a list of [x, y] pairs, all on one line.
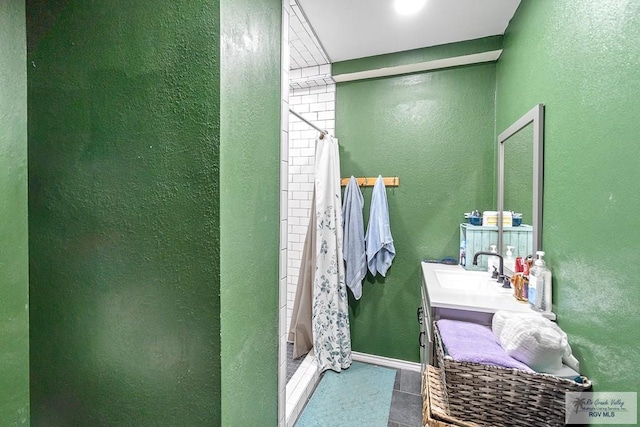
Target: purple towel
{"points": [[470, 342]]}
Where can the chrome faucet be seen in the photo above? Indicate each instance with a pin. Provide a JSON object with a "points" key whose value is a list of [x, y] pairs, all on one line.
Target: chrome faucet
{"points": [[499, 275]]}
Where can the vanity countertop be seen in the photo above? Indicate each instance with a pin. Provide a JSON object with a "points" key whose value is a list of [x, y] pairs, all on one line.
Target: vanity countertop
{"points": [[453, 287]]}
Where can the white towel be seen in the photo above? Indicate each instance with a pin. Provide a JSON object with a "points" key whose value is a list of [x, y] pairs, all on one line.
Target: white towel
{"points": [[534, 340], [353, 237], [379, 243]]}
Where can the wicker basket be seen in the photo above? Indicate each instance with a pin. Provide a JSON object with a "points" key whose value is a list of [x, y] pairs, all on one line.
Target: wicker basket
{"points": [[435, 410], [490, 395]]}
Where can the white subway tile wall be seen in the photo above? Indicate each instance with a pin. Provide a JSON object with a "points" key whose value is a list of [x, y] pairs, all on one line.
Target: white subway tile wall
{"points": [[316, 104], [306, 50]]}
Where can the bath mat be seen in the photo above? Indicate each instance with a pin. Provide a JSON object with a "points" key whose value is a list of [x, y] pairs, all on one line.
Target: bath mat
{"points": [[358, 396]]}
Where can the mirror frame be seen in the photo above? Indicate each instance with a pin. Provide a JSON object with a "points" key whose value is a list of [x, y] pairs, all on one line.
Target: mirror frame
{"points": [[535, 116]]}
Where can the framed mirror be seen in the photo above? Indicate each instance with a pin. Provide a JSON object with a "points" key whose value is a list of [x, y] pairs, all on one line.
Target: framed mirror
{"points": [[520, 168]]}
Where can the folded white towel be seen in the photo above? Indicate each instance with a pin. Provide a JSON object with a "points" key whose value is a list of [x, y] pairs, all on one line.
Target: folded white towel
{"points": [[534, 340]]}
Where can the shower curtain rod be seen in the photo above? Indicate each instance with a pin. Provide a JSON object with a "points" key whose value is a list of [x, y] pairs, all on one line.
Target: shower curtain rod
{"points": [[324, 132]]}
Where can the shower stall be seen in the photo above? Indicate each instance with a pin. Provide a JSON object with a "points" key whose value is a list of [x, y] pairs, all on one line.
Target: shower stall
{"points": [[302, 373], [308, 100]]}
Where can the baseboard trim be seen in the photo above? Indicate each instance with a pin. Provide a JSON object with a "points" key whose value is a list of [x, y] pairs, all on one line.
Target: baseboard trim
{"points": [[385, 361]]}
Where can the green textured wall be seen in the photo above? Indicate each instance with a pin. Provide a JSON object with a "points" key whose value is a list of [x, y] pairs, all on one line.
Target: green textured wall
{"points": [[435, 131], [581, 59], [249, 206], [14, 277], [124, 212]]}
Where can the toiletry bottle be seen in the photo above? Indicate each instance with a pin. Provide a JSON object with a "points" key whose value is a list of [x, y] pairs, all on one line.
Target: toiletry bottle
{"points": [[541, 276], [509, 260], [518, 280], [526, 268], [533, 286], [492, 261]]}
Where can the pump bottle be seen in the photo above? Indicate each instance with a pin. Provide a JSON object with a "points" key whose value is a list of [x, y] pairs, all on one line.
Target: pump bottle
{"points": [[509, 260], [540, 285]]}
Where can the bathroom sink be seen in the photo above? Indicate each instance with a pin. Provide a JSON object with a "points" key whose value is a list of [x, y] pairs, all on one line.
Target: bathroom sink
{"points": [[454, 292], [469, 281], [459, 280]]}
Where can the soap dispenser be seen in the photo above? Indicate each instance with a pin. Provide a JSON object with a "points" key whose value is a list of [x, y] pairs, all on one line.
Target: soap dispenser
{"points": [[509, 260], [540, 285]]}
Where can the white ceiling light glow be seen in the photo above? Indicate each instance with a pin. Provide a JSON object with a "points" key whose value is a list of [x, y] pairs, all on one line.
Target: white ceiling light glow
{"points": [[408, 7]]}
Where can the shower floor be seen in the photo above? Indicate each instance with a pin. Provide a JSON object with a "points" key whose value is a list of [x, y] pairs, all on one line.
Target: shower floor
{"points": [[292, 364]]}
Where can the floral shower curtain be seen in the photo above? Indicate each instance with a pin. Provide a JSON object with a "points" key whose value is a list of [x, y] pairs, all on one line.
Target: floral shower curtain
{"points": [[331, 336]]}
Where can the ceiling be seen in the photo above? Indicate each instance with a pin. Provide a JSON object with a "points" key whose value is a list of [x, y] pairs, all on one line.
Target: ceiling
{"points": [[349, 29]]}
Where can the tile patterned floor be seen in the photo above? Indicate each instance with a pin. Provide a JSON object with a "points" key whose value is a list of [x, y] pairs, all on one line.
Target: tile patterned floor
{"points": [[292, 364], [406, 402]]}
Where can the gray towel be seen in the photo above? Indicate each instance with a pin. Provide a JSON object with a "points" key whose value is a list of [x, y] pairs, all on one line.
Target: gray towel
{"points": [[353, 226]]}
